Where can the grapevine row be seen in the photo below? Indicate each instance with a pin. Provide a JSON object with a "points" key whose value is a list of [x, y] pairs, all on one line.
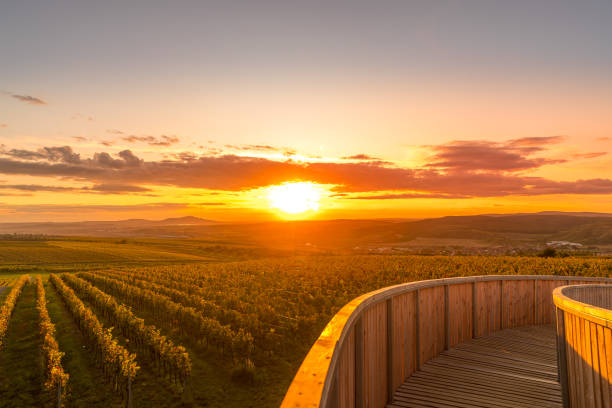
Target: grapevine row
{"points": [[173, 360], [235, 319], [6, 311], [231, 310], [173, 315], [118, 364], [55, 376]]}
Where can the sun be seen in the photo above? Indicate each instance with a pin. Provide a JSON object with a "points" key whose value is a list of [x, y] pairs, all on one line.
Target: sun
{"points": [[295, 197]]}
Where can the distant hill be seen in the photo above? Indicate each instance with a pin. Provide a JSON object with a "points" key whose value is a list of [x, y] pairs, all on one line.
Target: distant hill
{"points": [[131, 227], [478, 230], [537, 228], [575, 214]]}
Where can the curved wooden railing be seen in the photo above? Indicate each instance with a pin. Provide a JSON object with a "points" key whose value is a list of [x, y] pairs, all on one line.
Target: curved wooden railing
{"points": [[375, 342], [584, 322]]}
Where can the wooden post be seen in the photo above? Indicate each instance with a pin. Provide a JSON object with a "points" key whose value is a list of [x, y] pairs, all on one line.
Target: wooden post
{"points": [[390, 351], [59, 395], [446, 318], [417, 340], [562, 357], [474, 311], [359, 402]]}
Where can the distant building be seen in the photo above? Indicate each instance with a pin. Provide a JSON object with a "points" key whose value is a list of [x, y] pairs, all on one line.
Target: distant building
{"points": [[564, 244]]}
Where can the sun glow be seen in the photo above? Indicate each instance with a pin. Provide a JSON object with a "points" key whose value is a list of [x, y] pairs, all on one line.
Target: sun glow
{"points": [[295, 198]]}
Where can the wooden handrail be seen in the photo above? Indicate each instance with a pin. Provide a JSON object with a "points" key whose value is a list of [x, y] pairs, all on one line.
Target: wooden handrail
{"points": [[584, 339], [343, 369]]}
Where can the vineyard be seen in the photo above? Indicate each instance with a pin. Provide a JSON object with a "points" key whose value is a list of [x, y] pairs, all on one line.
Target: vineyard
{"points": [[198, 334]]}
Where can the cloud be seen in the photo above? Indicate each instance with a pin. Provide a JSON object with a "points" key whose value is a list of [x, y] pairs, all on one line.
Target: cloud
{"points": [[261, 148], [55, 154], [360, 156], [163, 140], [491, 156], [604, 139], [457, 170], [36, 188], [406, 196], [3, 125], [29, 99], [536, 141], [588, 155], [118, 188], [79, 209], [79, 138], [97, 189]]}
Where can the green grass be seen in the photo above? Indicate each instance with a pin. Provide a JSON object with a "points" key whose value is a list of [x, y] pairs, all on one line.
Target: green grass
{"points": [[21, 364]]}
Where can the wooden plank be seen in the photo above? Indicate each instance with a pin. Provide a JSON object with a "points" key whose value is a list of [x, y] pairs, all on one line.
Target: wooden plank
{"points": [[477, 375]]}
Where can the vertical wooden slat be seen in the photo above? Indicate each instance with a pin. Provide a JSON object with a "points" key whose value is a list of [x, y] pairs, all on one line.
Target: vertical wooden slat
{"points": [[562, 357], [333, 399], [603, 367], [608, 362], [404, 333], [374, 356], [417, 340], [501, 305], [474, 311], [587, 362], [346, 373], [390, 351], [446, 318], [460, 311], [535, 302], [579, 339], [571, 358], [595, 364], [359, 402], [431, 325]]}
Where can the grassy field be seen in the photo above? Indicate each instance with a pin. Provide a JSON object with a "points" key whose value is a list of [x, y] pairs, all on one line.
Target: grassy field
{"points": [[282, 303]]}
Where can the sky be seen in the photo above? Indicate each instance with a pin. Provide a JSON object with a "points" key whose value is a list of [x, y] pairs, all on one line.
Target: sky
{"points": [[151, 109]]}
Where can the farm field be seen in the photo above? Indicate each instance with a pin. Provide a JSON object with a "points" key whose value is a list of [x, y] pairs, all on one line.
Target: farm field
{"points": [[200, 333]]}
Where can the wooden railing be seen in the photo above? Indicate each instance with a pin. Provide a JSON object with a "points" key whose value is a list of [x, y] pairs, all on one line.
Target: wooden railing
{"points": [[375, 342], [584, 337]]}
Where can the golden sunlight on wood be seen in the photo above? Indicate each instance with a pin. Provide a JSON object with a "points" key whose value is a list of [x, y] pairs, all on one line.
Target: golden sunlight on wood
{"points": [[295, 197]]}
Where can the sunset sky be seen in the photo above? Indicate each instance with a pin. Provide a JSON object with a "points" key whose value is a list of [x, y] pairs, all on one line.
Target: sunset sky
{"points": [[147, 109]]}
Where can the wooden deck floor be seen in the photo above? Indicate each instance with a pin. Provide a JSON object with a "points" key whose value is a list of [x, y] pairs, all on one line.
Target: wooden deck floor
{"points": [[512, 368]]}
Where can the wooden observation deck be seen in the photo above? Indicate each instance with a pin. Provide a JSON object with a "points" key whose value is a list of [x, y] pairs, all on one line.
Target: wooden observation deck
{"points": [[484, 341]]}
